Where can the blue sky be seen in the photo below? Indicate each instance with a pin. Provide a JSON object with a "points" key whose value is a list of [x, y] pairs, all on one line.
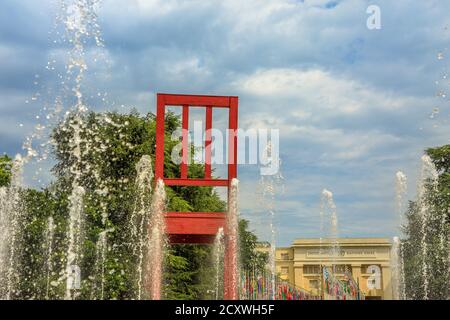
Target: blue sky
{"points": [[353, 105]]}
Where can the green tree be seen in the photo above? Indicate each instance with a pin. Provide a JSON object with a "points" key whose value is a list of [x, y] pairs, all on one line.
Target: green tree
{"points": [[436, 234], [251, 258], [111, 145], [5, 170]]}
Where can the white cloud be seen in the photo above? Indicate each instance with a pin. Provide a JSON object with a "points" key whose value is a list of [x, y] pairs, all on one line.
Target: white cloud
{"points": [[318, 90], [349, 102]]}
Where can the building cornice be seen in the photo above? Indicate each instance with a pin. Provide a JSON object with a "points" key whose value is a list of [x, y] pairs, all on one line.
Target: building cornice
{"points": [[358, 242]]}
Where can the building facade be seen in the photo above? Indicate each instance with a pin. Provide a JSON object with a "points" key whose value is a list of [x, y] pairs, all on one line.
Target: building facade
{"points": [[366, 259]]}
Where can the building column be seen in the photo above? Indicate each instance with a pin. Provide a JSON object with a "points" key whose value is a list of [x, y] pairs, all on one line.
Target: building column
{"points": [[386, 279], [356, 272], [298, 276]]}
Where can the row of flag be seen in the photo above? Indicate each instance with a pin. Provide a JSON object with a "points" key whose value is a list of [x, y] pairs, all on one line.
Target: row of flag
{"points": [[262, 286], [336, 289]]}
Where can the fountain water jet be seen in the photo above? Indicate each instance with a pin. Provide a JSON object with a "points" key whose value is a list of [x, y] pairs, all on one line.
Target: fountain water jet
{"points": [[80, 22], [402, 273], [218, 253], [11, 208], [140, 218], [428, 181], [157, 242], [75, 235], [100, 260], [49, 235], [269, 184], [396, 268], [232, 250], [401, 188], [397, 262], [328, 208]]}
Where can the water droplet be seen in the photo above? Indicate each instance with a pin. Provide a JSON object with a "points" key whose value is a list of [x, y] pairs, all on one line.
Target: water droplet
{"points": [[440, 56], [434, 112], [441, 94]]}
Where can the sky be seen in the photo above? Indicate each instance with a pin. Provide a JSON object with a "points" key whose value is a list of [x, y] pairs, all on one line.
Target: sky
{"points": [[353, 105]]}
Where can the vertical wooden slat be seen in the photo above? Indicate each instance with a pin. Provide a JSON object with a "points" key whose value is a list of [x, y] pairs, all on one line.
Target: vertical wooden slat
{"points": [[185, 142], [208, 142], [232, 138], [160, 113]]}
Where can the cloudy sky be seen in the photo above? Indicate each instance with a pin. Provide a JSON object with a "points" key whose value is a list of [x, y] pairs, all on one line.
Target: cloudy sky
{"points": [[353, 105]]}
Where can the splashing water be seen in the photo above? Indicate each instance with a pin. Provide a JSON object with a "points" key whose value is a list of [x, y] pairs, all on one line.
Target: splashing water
{"points": [[76, 214], [396, 268], [4, 232], [269, 184], [429, 176], [11, 208], [402, 288], [328, 209], [100, 260], [49, 235], [218, 253], [75, 235], [397, 253], [400, 194], [79, 19], [232, 240], [140, 218], [157, 242]]}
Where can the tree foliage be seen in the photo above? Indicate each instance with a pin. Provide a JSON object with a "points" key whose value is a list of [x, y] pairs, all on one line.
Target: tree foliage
{"points": [[435, 232], [110, 145], [5, 170], [251, 258]]}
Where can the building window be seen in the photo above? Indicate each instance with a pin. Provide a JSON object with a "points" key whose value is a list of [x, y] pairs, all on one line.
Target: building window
{"points": [[342, 268], [314, 284], [284, 270], [311, 269], [285, 256]]}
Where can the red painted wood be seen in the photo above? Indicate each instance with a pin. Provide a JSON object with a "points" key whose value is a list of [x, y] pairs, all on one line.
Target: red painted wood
{"points": [[200, 182], [185, 142], [195, 100], [196, 223], [232, 138], [208, 142], [159, 149], [200, 227], [208, 102]]}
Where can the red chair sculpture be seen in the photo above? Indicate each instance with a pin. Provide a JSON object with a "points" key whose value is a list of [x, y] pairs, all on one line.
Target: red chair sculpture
{"points": [[199, 227]]}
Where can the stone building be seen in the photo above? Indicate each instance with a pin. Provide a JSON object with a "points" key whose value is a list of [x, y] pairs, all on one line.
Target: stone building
{"points": [[366, 259]]}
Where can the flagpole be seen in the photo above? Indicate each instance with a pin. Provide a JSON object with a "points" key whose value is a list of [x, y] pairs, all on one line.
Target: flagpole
{"points": [[322, 295]]}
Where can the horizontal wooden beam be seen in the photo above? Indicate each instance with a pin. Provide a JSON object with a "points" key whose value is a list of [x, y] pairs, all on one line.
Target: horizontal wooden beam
{"points": [[196, 182], [194, 223], [194, 100]]}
